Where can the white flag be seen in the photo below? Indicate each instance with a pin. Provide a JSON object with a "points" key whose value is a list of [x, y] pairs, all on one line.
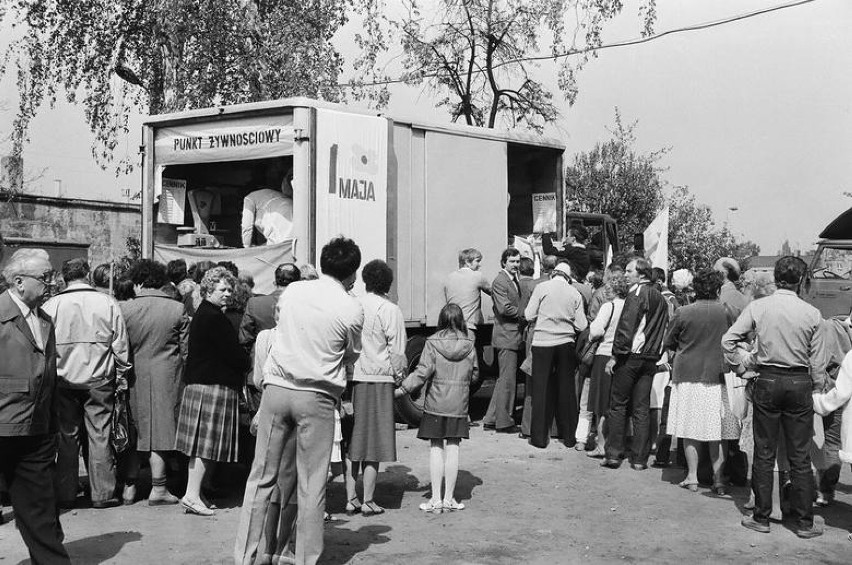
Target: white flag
{"points": [[657, 241]]}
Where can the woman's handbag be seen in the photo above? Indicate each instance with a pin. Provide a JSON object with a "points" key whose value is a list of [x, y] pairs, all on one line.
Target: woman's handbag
{"points": [[119, 436], [589, 347], [736, 388]]}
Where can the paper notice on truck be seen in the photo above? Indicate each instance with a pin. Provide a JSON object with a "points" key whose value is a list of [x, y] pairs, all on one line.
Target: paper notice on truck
{"points": [[544, 212], [172, 200], [352, 171]]}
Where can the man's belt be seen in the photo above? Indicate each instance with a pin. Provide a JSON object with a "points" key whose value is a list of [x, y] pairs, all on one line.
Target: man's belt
{"points": [[783, 370]]}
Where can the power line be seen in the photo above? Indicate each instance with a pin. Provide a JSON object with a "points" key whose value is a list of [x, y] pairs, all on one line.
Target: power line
{"points": [[626, 43]]}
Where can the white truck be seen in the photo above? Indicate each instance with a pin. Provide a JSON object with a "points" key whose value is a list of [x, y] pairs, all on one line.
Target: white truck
{"points": [[408, 192]]}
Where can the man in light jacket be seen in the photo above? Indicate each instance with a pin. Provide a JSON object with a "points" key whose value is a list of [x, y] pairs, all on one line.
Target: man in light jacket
{"points": [[93, 357], [557, 309]]}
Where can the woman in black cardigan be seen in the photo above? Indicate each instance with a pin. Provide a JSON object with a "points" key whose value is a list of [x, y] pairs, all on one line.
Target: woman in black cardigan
{"points": [[215, 370]]}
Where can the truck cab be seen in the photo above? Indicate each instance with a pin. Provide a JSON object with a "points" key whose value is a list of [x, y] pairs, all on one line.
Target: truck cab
{"points": [[828, 281]]}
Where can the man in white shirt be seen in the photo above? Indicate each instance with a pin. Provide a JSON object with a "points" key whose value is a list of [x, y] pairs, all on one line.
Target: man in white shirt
{"points": [[92, 359], [270, 211], [318, 335]]}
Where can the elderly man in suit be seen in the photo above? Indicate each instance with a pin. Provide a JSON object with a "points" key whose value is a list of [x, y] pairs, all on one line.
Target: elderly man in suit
{"points": [[27, 415], [506, 340]]}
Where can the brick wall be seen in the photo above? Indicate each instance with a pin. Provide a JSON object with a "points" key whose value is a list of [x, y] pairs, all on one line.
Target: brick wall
{"points": [[103, 226]]}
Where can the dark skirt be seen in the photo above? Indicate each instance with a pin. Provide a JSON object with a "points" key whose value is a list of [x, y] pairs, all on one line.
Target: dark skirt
{"points": [[373, 431], [443, 427], [600, 386], [208, 423]]}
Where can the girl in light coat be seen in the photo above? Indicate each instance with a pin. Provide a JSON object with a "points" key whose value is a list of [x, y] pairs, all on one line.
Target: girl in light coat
{"points": [[448, 364], [827, 402]]}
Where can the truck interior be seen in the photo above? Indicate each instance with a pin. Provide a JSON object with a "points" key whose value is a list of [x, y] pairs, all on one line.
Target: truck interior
{"points": [[531, 169], [212, 201]]}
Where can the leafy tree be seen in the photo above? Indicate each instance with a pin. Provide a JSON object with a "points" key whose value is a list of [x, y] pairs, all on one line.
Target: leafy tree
{"points": [[478, 56], [695, 242], [155, 56], [614, 178]]}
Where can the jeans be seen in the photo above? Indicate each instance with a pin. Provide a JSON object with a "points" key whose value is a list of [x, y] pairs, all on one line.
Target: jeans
{"points": [[27, 465], [631, 387], [93, 408], [554, 391], [783, 400], [502, 406], [295, 433]]}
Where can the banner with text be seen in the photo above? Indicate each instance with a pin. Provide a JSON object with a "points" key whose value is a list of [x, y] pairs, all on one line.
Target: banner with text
{"points": [[225, 140], [352, 170]]}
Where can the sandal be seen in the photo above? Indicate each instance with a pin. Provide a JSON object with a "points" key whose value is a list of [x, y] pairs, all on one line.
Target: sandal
{"points": [[198, 509], [370, 508], [432, 507], [353, 506], [452, 505], [719, 489], [692, 487]]}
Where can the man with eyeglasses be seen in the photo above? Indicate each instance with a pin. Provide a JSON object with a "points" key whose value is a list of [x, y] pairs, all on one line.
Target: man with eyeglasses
{"points": [[92, 358], [27, 390]]}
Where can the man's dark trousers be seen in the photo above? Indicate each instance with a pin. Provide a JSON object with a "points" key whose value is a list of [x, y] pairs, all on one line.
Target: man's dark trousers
{"points": [[553, 392], [27, 464], [631, 387], [783, 398]]}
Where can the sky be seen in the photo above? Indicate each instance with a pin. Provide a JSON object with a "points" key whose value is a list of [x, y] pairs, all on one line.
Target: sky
{"points": [[756, 114]]}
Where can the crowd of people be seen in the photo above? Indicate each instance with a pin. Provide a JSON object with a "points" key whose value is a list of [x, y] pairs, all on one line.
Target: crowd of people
{"points": [[621, 365], [617, 365]]}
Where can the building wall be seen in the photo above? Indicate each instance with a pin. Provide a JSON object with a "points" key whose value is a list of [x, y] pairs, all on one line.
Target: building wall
{"points": [[104, 227]]}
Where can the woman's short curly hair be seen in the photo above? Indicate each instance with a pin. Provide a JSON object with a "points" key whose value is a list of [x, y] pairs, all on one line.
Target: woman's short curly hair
{"points": [[707, 284], [213, 277], [378, 276], [617, 286]]}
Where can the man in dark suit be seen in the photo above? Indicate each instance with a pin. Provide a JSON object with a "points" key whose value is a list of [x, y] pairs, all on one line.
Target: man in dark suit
{"points": [[27, 415], [260, 310], [506, 340]]}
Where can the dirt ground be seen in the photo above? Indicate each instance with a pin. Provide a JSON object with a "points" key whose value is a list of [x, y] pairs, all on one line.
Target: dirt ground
{"points": [[523, 505]]}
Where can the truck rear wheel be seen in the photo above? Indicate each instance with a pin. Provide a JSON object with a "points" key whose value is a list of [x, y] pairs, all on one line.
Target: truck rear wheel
{"points": [[409, 409]]}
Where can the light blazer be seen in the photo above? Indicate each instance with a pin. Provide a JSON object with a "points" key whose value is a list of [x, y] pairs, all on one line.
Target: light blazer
{"points": [[27, 373], [507, 314]]}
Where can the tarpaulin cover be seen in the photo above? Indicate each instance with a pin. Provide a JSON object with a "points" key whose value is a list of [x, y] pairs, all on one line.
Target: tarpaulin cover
{"points": [[840, 228], [260, 262]]}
